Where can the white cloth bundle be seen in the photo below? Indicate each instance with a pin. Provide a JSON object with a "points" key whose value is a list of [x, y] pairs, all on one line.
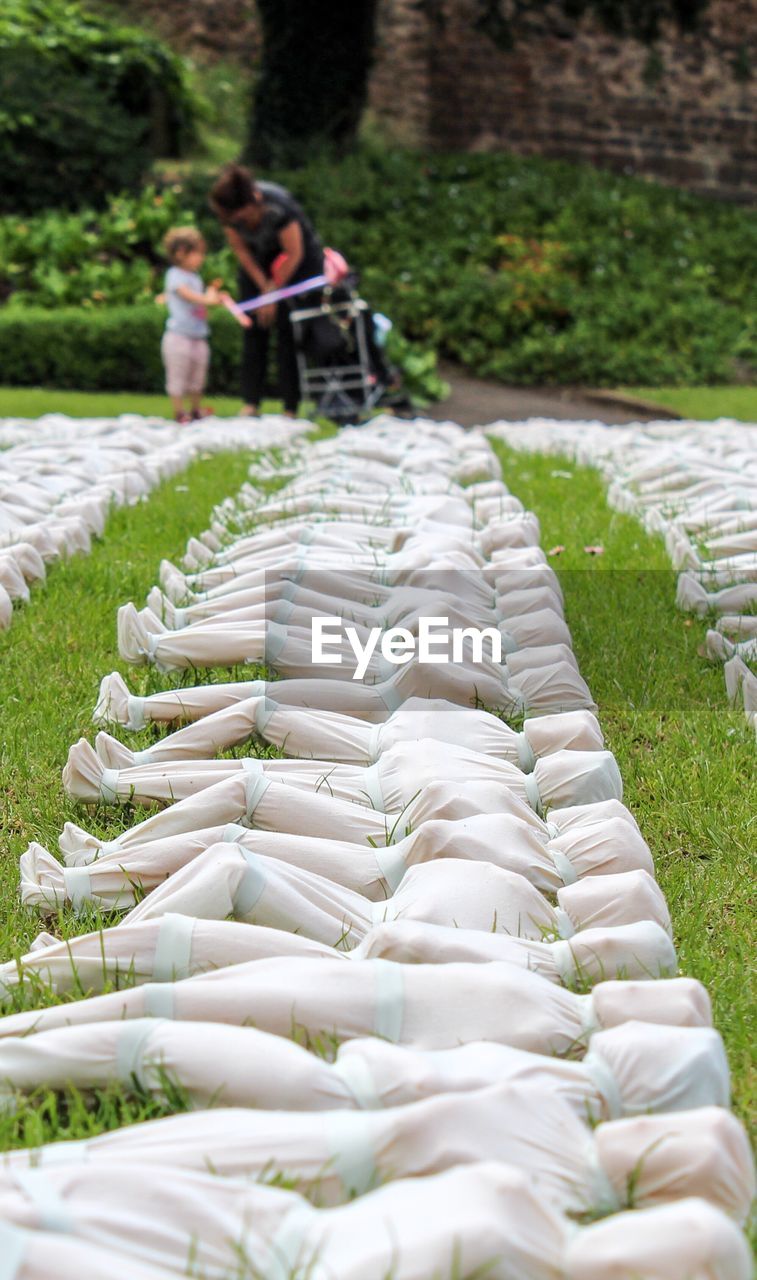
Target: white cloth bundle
{"points": [[428, 1006], [720, 649], [603, 846], [632, 1069], [640, 950], [309, 732], [332, 1156], [353, 887], [553, 688], [401, 772], [480, 1218], [692, 597], [741, 686], [581, 832], [172, 946], [228, 881]]}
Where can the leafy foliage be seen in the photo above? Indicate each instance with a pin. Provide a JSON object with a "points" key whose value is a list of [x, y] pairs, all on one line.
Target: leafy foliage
{"points": [[521, 269], [87, 105]]}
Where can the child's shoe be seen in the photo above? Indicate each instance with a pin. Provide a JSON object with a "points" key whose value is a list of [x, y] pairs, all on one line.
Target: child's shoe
{"points": [[204, 411], [183, 418]]}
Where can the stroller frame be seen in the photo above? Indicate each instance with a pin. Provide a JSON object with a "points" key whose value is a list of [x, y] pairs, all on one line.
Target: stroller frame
{"points": [[344, 392]]}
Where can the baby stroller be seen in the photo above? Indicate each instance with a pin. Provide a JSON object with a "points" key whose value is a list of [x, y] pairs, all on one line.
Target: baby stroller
{"points": [[341, 365]]}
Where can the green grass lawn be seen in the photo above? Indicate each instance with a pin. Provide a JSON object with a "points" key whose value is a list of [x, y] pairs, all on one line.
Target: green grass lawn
{"points": [[686, 759], [705, 403], [33, 402]]}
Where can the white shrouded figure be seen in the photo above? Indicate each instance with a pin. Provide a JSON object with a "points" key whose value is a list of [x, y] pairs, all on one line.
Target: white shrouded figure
{"points": [[333, 1156], [584, 834], [632, 1069], [605, 846], [304, 732], [402, 772], [486, 1218], [519, 681], [171, 946], [538, 689], [228, 879], [428, 1006], [252, 800]]}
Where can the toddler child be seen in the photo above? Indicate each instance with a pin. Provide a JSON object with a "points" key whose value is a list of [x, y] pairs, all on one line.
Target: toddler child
{"points": [[185, 349]]}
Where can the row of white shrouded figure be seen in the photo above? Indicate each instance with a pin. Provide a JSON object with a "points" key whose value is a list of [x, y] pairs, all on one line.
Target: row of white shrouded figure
{"points": [[60, 477], [397, 938], [696, 484]]}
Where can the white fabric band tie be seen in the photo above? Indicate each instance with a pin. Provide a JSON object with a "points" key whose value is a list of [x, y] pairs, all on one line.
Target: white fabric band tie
{"points": [[132, 1038], [282, 612], [532, 793], [604, 1197], [135, 712], [153, 641], [371, 787], [604, 1082], [564, 961], [389, 1000], [526, 757], [392, 866], [589, 1021], [251, 885], [256, 785], [374, 743], [563, 923], [352, 1154], [233, 832], [563, 866], [275, 639], [264, 712], [356, 1077], [509, 643], [52, 1211], [390, 696], [109, 786], [173, 950], [77, 884], [159, 999]]}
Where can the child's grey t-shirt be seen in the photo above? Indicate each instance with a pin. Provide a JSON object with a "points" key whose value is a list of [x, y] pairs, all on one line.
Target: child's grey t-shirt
{"points": [[190, 319]]}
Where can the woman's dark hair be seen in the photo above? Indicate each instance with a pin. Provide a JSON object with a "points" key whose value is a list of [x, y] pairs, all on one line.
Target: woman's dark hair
{"points": [[233, 189]]}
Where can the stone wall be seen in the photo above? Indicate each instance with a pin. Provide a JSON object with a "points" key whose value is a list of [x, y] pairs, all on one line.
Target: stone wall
{"points": [[683, 113]]}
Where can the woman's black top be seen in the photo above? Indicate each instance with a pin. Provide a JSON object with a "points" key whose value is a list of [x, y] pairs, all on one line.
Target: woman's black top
{"points": [[279, 210]]}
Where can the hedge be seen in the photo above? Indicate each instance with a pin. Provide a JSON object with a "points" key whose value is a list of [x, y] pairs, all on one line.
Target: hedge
{"points": [[522, 269], [117, 348]]}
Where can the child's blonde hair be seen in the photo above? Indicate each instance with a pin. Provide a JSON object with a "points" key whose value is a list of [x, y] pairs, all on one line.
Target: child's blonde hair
{"points": [[182, 240]]}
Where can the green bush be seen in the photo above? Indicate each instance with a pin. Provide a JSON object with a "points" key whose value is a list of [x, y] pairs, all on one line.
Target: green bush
{"points": [[116, 348], [86, 106], [520, 269]]}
